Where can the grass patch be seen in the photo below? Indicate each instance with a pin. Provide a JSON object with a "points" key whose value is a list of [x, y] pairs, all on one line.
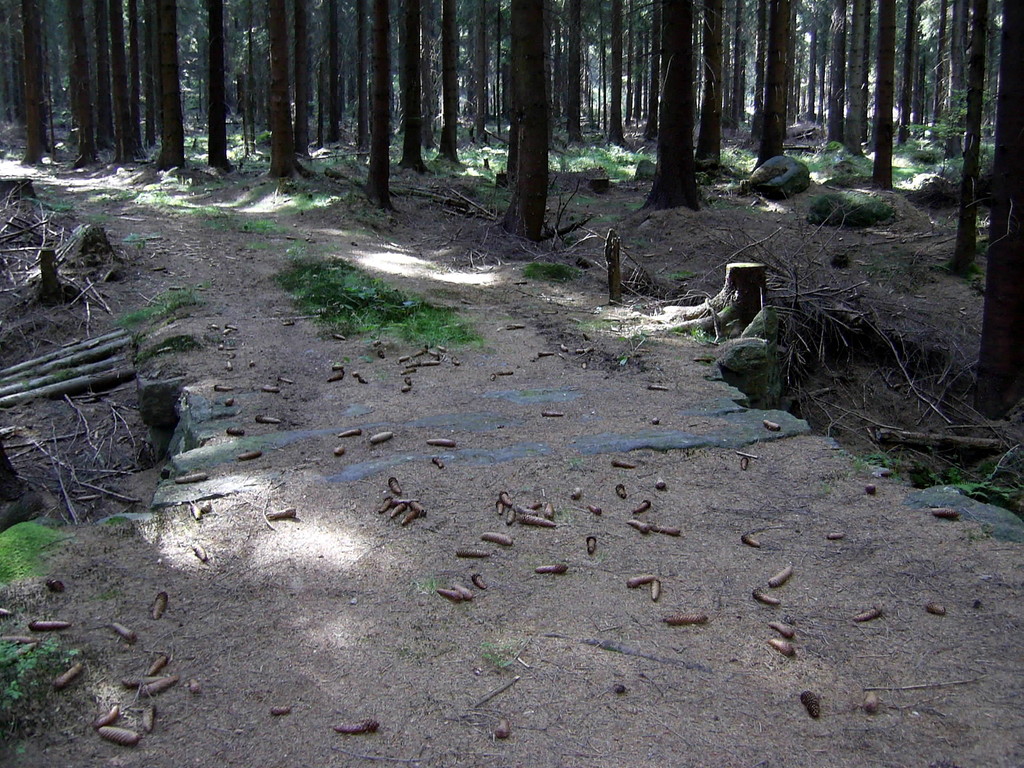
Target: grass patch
{"points": [[163, 305], [849, 209], [553, 273], [26, 682], [502, 654], [352, 302], [261, 226], [179, 343], [21, 550]]}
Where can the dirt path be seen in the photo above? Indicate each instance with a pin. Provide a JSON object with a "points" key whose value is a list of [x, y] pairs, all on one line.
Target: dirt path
{"points": [[336, 614]]}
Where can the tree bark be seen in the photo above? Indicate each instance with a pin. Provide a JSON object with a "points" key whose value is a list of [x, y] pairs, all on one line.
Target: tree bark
{"points": [[615, 117], [362, 76], [709, 137], [739, 57], [812, 73], [757, 122], [333, 70], [301, 134], [81, 104], [881, 173], [675, 179], [967, 225], [412, 123], [856, 97], [525, 214], [380, 128], [954, 105], [134, 76], [941, 63], [480, 68], [654, 92], [909, 61], [217, 115], [35, 103], [837, 81], [152, 72], [172, 134], [1001, 360], [282, 141], [773, 136], [575, 74], [104, 110], [449, 83], [124, 137]]}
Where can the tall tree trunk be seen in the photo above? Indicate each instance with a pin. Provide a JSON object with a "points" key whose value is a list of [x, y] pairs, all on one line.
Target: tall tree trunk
{"points": [[967, 225], [709, 137], [629, 57], [449, 82], [957, 56], [428, 65], [35, 102], [739, 46], [856, 97], [81, 104], [217, 116], [480, 67], [675, 179], [881, 173], [134, 75], [362, 77], [152, 72], [615, 118], [773, 136], [125, 148], [837, 67], [757, 122], [377, 188], [812, 73], [575, 74], [172, 134], [909, 60], [282, 142], [941, 63], [654, 92], [1001, 360], [412, 123], [525, 214], [334, 71], [302, 77], [104, 110]]}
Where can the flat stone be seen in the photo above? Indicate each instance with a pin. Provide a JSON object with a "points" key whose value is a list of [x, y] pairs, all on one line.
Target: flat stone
{"points": [[168, 494], [1001, 523], [471, 457], [483, 421], [535, 396]]}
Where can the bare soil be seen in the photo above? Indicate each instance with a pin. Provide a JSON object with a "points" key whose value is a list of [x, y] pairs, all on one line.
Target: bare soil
{"points": [[335, 614]]}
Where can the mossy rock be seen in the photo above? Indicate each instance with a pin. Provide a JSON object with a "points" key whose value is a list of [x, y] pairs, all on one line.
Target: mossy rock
{"points": [[848, 209], [780, 177], [645, 170]]}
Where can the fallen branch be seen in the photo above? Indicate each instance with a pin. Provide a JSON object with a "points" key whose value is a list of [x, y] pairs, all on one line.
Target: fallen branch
{"points": [[71, 386], [66, 353], [497, 692], [903, 437]]}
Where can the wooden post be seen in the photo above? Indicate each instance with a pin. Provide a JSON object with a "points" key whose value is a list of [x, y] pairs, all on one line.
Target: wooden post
{"points": [[612, 244]]}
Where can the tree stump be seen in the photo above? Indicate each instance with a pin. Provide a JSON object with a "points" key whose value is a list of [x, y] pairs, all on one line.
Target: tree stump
{"points": [[745, 283], [612, 245]]}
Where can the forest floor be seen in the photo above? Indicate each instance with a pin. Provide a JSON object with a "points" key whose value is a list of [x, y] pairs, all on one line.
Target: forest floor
{"points": [[334, 615]]}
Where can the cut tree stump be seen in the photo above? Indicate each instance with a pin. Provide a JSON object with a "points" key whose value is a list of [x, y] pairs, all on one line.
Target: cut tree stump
{"points": [[612, 247], [734, 307]]}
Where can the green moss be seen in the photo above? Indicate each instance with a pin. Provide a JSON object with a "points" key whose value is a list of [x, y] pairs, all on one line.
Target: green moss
{"points": [[161, 306], [849, 209], [179, 343], [26, 682], [555, 273], [21, 550], [350, 301]]}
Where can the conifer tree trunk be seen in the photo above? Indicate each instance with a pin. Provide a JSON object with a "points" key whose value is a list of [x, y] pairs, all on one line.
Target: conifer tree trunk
{"points": [[412, 122], [125, 148], [217, 155], [282, 141], [941, 63], [837, 68], [1001, 359], [104, 109], [675, 179], [377, 183], [480, 68], [773, 136], [575, 74], [81, 103], [172, 133], [909, 60], [812, 73], [615, 118], [525, 214], [709, 138], [881, 173], [957, 72], [428, 65], [362, 76], [333, 71], [134, 75], [151, 75], [301, 18], [654, 92], [739, 48], [449, 83], [35, 103], [757, 122], [967, 225], [856, 97]]}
